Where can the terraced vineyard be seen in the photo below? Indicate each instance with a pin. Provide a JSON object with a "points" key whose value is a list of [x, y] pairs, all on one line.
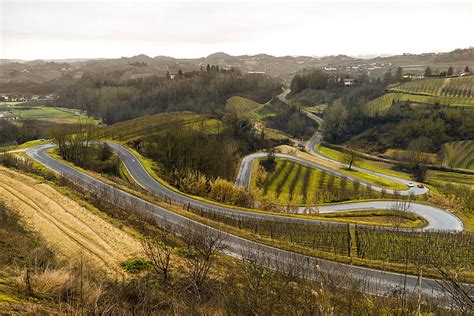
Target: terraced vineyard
{"points": [[243, 107], [430, 86], [445, 91], [462, 154], [460, 87], [154, 124], [295, 183], [381, 104]]}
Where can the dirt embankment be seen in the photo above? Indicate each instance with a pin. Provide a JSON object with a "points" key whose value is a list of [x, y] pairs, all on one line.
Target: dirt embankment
{"points": [[69, 229]]}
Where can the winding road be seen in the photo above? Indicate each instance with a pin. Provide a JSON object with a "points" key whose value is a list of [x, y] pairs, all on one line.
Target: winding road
{"points": [[374, 281], [371, 280]]}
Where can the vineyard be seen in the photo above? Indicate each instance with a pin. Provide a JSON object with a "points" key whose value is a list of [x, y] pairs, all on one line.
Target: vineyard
{"points": [[295, 183], [445, 91], [326, 237], [381, 104], [242, 107], [460, 87], [413, 247], [364, 242], [155, 124], [462, 154]]}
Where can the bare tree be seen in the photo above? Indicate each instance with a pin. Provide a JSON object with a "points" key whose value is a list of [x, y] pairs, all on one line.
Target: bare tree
{"points": [[159, 254], [460, 295], [203, 245], [403, 205]]}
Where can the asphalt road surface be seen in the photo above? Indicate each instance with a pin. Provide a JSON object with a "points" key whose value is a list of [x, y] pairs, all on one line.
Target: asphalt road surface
{"points": [[371, 280]]}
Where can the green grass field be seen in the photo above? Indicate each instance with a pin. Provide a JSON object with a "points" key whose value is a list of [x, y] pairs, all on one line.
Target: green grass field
{"points": [[377, 166], [53, 114], [463, 154], [156, 124], [243, 107]]}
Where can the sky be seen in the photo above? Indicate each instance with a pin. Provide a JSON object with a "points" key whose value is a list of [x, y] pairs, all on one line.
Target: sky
{"points": [[36, 29]]}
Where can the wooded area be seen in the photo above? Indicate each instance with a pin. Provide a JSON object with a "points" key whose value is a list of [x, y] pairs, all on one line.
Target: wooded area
{"points": [[202, 91]]}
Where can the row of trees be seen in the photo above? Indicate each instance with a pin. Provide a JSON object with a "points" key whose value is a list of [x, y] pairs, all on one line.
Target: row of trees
{"points": [[449, 72], [14, 134], [79, 144]]}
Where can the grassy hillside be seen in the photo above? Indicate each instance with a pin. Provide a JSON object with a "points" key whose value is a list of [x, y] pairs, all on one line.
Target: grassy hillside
{"points": [[243, 107], [155, 124]]}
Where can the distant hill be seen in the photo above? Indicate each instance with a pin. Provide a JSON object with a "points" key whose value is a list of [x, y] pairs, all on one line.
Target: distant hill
{"points": [[466, 54], [284, 67], [219, 55]]}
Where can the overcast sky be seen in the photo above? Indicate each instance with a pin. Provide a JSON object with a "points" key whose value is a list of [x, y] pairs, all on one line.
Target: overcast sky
{"points": [[80, 29]]}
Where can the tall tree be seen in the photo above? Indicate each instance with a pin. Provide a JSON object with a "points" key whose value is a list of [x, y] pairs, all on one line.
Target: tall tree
{"points": [[398, 75], [428, 72], [450, 71], [387, 78], [466, 69]]}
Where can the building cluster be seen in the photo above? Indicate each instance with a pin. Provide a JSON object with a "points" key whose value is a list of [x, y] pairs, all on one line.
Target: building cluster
{"points": [[25, 98]]}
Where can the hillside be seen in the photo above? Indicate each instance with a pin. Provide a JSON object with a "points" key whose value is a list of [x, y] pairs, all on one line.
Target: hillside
{"points": [[156, 124], [457, 91], [460, 154], [449, 91], [125, 68], [243, 107]]}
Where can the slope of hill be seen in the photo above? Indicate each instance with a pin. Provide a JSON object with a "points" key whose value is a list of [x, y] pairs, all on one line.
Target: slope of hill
{"points": [[155, 124], [39, 71], [460, 89], [243, 107], [445, 91], [461, 154]]}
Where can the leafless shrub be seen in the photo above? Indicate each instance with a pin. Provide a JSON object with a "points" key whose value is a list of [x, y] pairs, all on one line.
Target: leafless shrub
{"points": [[159, 254], [202, 246]]}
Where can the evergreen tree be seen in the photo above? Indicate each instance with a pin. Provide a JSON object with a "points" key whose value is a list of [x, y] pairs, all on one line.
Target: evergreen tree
{"points": [[428, 72], [387, 78], [467, 69], [450, 71], [398, 75]]}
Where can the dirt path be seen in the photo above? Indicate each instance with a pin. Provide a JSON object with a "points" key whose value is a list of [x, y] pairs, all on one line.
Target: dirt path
{"points": [[69, 229]]}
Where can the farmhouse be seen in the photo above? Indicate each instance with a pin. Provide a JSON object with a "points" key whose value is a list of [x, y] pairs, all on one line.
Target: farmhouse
{"points": [[9, 117], [350, 82], [412, 76]]}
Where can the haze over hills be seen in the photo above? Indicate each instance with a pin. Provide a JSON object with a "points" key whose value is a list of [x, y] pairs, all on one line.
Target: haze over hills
{"points": [[282, 67]]}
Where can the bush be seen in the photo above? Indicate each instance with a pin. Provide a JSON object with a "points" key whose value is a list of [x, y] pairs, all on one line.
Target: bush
{"points": [[227, 192], [135, 265]]}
